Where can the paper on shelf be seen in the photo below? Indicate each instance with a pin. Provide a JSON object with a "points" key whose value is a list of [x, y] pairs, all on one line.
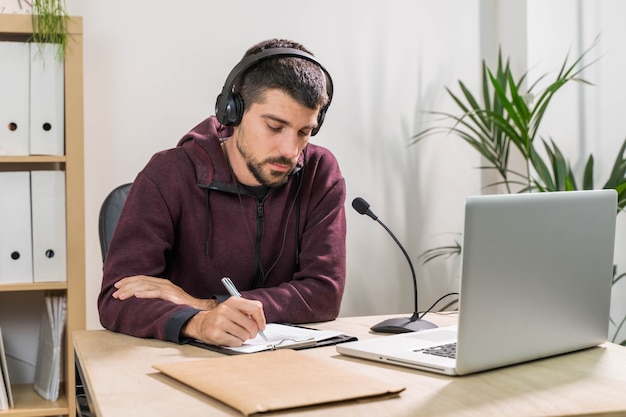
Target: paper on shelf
{"points": [[4, 399], [49, 357], [6, 395]]}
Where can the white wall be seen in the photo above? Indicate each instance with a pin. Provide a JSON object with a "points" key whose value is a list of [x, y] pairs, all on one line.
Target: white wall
{"points": [[586, 119], [154, 68]]}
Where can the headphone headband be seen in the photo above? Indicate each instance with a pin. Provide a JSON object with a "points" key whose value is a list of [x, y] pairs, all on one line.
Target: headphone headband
{"points": [[229, 105]]}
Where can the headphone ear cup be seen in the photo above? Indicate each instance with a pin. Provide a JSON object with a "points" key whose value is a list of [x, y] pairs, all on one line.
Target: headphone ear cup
{"points": [[320, 120], [233, 112]]}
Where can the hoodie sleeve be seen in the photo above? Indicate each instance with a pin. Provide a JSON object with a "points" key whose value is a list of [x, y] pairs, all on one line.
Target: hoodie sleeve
{"points": [[139, 246]]}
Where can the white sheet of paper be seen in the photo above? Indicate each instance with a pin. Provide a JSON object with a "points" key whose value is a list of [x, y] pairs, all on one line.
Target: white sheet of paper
{"points": [[281, 335]]}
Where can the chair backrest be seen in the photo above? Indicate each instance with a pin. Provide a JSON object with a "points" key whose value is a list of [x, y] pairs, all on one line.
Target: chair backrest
{"points": [[110, 214]]}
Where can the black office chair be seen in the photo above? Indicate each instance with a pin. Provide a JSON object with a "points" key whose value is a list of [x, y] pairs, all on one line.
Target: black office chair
{"points": [[110, 214]]}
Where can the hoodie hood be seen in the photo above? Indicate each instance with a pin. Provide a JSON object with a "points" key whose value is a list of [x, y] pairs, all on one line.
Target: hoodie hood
{"points": [[203, 147]]}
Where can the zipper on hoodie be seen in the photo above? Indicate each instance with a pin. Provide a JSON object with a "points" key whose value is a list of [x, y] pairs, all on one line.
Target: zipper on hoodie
{"points": [[258, 270]]}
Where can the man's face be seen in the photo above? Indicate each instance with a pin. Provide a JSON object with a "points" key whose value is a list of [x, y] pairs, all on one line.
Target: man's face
{"points": [[269, 139]]}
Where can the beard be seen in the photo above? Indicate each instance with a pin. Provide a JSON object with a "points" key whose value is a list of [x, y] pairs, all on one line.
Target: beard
{"points": [[260, 169]]}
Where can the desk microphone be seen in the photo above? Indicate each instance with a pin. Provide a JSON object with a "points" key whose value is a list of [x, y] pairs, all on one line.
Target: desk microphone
{"points": [[395, 325]]}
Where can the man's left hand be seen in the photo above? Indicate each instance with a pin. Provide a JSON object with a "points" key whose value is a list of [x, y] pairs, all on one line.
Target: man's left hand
{"points": [[143, 286]]}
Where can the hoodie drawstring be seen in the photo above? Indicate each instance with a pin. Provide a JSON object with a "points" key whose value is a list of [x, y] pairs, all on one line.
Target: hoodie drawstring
{"points": [[207, 230]]}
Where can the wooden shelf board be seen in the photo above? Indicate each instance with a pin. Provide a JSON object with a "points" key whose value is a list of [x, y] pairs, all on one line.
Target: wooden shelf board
{"points": [[33, 286], [22, 24], [29, 403], [31, 159]]}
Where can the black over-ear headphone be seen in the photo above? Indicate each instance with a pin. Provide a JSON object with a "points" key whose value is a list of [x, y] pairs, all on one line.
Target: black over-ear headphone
{"points": [[229, 105]]}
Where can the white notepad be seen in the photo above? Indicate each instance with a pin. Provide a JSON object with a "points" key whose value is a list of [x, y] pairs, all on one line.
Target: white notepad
{"points": [[281, 336], [284, 336]]}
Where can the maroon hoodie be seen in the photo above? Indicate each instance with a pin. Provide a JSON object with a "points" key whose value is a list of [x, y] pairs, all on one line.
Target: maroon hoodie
{"points": [[187, 220]]}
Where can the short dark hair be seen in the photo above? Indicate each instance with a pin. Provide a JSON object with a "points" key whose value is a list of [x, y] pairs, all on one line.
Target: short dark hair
{"points": [[302, 79]]}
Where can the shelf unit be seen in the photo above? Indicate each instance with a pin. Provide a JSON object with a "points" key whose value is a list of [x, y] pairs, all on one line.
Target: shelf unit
{"points": [[27, 402]]}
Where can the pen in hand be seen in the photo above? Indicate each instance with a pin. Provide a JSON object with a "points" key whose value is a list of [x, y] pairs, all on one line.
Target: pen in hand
{"points": [[232, 290]]}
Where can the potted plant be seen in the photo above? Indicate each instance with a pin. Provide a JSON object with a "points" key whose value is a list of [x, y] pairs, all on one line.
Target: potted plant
{"points": [[50, 24], [505, 117]]}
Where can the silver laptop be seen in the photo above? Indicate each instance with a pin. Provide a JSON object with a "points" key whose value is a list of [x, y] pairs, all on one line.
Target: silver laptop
{"points": [[536, 282]]}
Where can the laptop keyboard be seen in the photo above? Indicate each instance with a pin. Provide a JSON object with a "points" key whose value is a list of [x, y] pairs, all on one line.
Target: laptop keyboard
{"points": [[447, 351]]}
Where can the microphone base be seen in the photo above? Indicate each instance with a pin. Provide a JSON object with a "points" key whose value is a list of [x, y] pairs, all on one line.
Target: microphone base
{"points": [[402, 325]]}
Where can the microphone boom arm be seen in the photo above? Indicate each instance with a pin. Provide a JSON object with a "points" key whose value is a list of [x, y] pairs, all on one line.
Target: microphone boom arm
{"points": [[395, 325], [406, 255]]}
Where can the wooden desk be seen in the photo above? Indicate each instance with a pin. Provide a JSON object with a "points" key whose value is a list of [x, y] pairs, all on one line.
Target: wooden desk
{"points": [[120, 381]]}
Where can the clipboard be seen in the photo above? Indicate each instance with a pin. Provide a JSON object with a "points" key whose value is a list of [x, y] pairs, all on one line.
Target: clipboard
{"points": [[282, 336]]}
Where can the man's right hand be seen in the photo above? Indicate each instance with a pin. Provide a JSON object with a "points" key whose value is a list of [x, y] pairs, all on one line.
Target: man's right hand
{"points": [[229, 324]]}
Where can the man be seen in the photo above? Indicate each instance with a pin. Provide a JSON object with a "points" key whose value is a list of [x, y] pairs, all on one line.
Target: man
{"points": [[243, 195]]}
